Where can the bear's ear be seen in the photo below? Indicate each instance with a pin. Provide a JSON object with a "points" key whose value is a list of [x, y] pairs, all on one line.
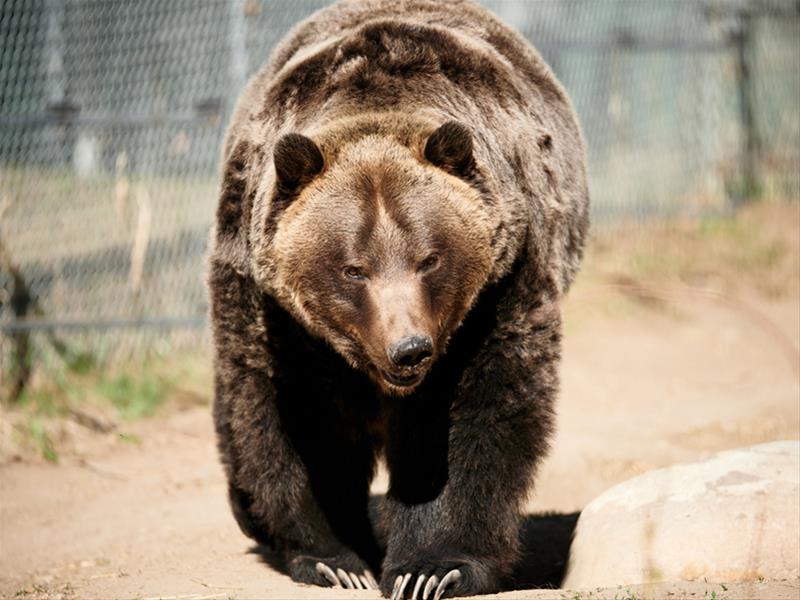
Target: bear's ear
{"points": [[450, 147], [297, 160]]}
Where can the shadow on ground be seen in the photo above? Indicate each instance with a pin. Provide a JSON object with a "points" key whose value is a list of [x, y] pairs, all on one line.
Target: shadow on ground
{"points": [[545, 539]]}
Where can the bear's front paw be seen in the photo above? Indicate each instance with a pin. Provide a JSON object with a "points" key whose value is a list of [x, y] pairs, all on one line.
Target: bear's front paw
{"points": [[431, 579], [344, 570]]}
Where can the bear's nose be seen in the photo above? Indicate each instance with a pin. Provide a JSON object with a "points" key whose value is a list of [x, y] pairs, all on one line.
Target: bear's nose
{"points": [[411, 350]]}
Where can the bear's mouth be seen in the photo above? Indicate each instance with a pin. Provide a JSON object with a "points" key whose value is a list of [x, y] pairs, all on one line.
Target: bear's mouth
{"points": [[406, 380]]}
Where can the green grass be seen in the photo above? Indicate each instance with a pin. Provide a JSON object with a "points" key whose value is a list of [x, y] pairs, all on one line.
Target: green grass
{"points": [[43, 402], [130, 438], [133, 391], [40, 438], [140, 389], [135, 397]]}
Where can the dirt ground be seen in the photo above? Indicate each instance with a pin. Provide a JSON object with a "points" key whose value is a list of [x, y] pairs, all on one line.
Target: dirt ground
{"points": [[652, 376]]}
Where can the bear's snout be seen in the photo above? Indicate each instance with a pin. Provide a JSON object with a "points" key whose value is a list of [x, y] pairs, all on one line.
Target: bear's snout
{"points": [[410, 351]]}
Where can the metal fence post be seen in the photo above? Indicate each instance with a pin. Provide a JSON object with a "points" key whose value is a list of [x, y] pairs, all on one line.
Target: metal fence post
{"points": [[749, 185]]}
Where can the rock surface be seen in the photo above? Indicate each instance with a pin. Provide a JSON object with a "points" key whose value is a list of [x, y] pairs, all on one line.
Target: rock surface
{"points": [[732, 517]]}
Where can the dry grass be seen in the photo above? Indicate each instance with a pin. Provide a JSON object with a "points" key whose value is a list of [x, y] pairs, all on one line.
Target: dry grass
{"points": [[756, 250]]}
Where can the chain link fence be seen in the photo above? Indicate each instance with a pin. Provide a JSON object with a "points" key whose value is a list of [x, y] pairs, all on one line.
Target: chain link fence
{"points": [[112, 114]]}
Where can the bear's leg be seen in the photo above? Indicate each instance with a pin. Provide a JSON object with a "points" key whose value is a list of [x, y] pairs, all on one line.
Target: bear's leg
{"points": [[297, 485], [453, 513], [302, 494], [339, 460]]}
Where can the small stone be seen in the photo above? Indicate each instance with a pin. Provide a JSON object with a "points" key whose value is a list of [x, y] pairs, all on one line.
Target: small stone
{"points": [[732, 517]]}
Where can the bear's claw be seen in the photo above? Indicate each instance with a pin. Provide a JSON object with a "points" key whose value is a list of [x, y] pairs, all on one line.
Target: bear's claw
{"points": [[351, 581], [369, 581], [401, 582]]}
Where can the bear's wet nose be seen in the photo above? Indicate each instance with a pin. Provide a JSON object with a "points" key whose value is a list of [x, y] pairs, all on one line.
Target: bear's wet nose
{"points": [[411, 350]]}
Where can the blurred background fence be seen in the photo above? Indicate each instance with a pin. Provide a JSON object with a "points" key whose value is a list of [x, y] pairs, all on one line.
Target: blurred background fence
{"points": [[112, 114]]}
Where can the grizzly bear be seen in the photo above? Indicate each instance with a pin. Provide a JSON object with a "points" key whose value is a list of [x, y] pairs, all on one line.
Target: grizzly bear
{"points": [[403, 205]]}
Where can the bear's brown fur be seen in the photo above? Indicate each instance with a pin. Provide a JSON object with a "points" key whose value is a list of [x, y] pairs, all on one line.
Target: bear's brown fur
{"points": [[403, 205]]}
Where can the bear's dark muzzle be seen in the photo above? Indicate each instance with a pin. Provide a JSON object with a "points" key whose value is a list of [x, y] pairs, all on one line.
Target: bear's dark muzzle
{"points": [[410, 351]]}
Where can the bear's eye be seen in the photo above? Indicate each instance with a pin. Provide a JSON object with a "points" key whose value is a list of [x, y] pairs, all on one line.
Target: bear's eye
{"points": [[352, 272], [429, 263]]}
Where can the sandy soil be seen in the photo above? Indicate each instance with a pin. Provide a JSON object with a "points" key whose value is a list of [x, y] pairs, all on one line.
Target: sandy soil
{"points": [[644, 385]]}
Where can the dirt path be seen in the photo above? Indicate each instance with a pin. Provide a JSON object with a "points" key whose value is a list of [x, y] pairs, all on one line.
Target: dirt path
{"points": [[642, 389]]}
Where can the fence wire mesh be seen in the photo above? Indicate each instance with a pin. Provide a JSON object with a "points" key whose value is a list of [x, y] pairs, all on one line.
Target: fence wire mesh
{"points": [[113, 111]]}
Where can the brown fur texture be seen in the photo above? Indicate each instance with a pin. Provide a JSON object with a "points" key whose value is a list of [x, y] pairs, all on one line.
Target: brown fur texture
{"points": [[398, 170]]}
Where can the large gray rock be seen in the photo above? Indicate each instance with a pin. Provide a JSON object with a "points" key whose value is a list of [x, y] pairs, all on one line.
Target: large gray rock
{"points": [[732, 517]]}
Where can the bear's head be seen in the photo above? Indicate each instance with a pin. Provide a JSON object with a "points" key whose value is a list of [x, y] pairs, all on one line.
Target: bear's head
{"points": [[379, 245]]}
